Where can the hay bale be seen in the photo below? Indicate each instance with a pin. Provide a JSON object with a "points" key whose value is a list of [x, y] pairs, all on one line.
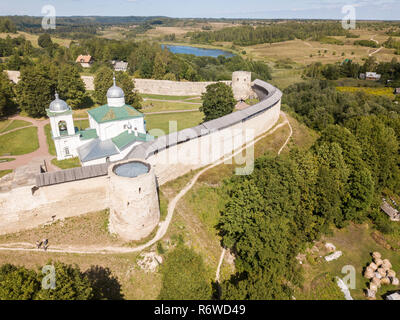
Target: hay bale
{"points": [[386, 264], [376, 255], [369, 273], [385, 281], [382, 272], [378, 262], [373, 287], [391, 274], [395, 281], [373, 266], [376, 282], [371, 294]]}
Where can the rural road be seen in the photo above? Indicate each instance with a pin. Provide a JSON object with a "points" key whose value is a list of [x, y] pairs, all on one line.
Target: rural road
{"points": [[376, 51], [163, 226]]}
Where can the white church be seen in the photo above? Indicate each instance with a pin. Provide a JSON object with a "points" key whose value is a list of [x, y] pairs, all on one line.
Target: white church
{"points": [[115, 128]]}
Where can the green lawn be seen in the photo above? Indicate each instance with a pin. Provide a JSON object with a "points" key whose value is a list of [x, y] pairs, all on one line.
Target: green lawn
{"points": [[67, 164], [6, 160], [19, 142], [4, 124], [4, 172], [81, 124], [49, 139], [159, 106], [164, 97], [184, 120], [7, 125], [16, 124]]}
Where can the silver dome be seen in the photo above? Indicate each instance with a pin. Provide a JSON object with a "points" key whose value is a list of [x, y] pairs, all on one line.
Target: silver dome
{"points": [[115, 91], [58, 105]]}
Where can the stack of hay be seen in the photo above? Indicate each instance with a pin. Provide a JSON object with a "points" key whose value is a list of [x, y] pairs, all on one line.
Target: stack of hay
{"points": [[380, 273]]}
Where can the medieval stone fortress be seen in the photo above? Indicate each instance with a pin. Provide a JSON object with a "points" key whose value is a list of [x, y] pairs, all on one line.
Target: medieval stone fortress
{"points": [[122, 165]]}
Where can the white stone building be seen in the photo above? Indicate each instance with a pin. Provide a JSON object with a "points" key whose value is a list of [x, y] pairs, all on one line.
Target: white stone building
{"points": [[115, 128]]}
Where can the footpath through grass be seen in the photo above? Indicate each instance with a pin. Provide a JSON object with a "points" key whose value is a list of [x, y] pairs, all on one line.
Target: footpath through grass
{"points": [[8, 125], [19, 142]]}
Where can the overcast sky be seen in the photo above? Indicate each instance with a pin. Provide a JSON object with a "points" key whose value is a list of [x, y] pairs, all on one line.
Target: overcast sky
{"points": [[322, 9]]}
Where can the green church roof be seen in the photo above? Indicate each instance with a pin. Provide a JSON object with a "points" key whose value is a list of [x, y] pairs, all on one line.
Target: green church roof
{"points": [[106, 113], [125, 139]]}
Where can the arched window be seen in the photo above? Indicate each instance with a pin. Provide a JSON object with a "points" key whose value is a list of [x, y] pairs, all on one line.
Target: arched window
{"points": [[62, 127]]}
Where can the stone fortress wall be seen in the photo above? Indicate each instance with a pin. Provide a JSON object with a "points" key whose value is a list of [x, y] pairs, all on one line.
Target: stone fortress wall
{"points": [[78, 191], [167, 87]]}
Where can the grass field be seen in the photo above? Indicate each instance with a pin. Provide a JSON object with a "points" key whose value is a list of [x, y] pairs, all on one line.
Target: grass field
{"points": [[10, 124], [67, 164], [49, 139], [81, 124], [164, 97], [183, 120], [307, 52], [161, 106], [386, 92], [14, 124], [19, 142], [357, 243], [33, 38]]}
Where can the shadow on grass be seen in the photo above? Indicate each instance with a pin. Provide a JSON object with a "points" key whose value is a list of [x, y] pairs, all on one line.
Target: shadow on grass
{"points": [[104, 284]]}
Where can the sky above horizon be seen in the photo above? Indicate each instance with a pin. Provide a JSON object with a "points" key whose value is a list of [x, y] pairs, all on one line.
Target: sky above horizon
{"points": [[268, 9]]}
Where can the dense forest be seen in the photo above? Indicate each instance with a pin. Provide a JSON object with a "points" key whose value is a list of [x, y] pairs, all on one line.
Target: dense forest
{"points": [[289, 201], [276, 32]]}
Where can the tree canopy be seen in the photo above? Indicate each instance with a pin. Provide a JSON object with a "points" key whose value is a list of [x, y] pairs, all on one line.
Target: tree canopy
{"points": [[218, 101]]}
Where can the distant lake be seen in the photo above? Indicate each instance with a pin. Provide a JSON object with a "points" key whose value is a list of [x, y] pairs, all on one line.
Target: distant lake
{"points": [[200, 52]]}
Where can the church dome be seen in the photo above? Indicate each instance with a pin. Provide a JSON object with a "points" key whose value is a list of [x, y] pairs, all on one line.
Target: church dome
{"points": [[115, 91], [115, 96], [58, 105]]}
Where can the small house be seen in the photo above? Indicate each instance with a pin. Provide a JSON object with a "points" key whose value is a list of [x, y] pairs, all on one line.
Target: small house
{"points": [[120, 66], [372, 76], [84, 60]]}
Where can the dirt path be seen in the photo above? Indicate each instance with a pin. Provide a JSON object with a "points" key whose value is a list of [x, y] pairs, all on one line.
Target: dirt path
{"points": [[42, 152], [376, 51], [163, 226]]}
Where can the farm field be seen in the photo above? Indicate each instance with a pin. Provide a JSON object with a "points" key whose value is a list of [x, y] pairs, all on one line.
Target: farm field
{"points": [[386, 92]]}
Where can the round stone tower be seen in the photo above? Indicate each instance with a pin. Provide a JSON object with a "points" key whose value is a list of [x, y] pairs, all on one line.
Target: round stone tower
{"points": [[241, 85], [133, 198]]}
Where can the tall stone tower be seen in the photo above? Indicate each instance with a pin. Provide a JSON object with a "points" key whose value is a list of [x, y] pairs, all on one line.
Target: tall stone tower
{"points": [[133, 199], [241, 85]]}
